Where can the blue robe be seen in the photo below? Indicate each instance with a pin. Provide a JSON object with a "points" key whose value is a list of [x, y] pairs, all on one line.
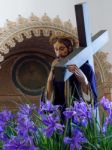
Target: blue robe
{"points": [[59, 97]]}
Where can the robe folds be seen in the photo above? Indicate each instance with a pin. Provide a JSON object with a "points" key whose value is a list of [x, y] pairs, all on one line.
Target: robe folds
{"points": [[59, 96]]}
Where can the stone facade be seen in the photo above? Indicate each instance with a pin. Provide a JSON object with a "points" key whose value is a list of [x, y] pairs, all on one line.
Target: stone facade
{"points": [[28, 38]]}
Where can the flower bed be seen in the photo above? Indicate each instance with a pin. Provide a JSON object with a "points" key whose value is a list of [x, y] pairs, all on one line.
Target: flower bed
{"points": [[46, 128]]}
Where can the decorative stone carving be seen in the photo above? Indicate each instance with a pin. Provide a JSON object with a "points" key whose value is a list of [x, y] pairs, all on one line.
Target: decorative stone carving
{"points": [[103, 74], [45, 19], [1, 59], [27, 34], [33, 18], [11, 43], [57, 22], [36, 32], [1, 31], [10, 24], [68, 25], [23, 27], [4, 49], [19, 37], [46, 32], [21, 20], [103, 66]]}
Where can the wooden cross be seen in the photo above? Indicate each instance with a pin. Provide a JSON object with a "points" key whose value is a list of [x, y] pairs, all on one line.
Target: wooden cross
{"points": [[88, 45]]}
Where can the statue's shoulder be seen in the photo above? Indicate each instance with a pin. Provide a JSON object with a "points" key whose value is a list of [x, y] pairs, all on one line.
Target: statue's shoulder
{"points": [[86, 66], [87, 69]]}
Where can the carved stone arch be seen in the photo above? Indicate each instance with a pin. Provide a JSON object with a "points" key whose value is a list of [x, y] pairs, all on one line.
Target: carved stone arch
{"points": [[99, 67], [14, 53], [103, 75], [16, 31]]}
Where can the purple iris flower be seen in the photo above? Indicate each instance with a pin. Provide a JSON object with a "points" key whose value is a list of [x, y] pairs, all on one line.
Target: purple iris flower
{"points": [[107, 105], [52, 125], [6, 115], [5, 118], [76, 140], [49, 108], [84, 112], [24, 126], [18, 143], [1, 129], [26, 109], [108, 120], [24, 118], [69, 113], [80, 113], [82, 109]]}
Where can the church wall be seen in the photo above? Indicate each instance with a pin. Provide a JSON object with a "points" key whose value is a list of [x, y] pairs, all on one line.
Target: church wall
{"points": [[65, 10], [10, 96]]}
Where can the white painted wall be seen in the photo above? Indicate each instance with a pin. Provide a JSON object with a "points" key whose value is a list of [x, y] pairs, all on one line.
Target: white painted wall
{"points": [[100, 13]]}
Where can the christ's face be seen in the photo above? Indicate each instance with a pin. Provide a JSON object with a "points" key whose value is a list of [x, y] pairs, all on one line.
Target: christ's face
{"points": [[60, 49]]}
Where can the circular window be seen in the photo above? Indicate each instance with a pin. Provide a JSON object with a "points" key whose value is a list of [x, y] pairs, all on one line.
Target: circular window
{"points": [[30, 74]]}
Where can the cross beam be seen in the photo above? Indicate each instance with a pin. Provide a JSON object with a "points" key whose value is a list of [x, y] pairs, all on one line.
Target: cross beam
{"points": [[88, 45]]}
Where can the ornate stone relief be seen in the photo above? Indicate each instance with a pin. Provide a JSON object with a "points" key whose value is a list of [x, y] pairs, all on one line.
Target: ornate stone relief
{"points": [[15, 31], [103, 74], [103, 66]]}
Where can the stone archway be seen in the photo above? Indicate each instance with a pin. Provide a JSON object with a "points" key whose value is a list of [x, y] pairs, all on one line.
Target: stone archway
{"points": [[103, 74], [16, 31], [27, 39], [30, 36]]}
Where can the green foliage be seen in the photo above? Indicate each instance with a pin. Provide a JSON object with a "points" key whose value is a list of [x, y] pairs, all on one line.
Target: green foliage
{"points": [[1, 145], [43, 128]]}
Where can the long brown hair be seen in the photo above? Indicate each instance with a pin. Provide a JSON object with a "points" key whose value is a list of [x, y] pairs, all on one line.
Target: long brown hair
{"points": [[68, 41]]}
